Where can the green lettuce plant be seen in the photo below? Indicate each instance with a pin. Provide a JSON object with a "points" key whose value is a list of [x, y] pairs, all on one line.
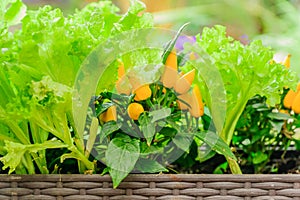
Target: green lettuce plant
{"points": [[244, 71], [39, 61]]}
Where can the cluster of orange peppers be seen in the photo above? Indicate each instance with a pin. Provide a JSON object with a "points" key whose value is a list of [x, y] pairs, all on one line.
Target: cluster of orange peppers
{"points": [[292, 98], [188, 98]]}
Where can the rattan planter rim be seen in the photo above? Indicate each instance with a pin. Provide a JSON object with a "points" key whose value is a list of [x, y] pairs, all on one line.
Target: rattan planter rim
{"points": [[151, 186], [154, 177]]}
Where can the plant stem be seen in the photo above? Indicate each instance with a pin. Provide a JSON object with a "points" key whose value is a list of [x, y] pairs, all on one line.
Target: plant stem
{"points": [[228, 130], [231, 121], [27, 160], [84, 162]]}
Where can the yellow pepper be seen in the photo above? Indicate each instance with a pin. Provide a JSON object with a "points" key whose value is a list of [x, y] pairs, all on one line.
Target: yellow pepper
{"points": [[109, 115], [183, 84], [184, 101], [142, 93], [169, 77], [289, 99], [123, 86], [121, 69], [170, 74], [197, 106], [134, 110], [296, 104], [172, 60], [287, 61]]}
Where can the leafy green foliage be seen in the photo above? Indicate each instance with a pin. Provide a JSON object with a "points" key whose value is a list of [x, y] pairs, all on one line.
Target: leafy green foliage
{"points": [[16, 151], [12, 11], [245, 71], [39, 62], [149, 166], [121, 155], [163, 131], [261, 132], [216, 143]]}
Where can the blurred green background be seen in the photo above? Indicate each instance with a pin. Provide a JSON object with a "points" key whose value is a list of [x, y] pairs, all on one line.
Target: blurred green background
{"points": [[276, 22]]}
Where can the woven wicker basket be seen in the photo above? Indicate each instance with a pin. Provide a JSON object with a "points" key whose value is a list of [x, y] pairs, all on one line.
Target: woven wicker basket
{"points": [[181, 187]]}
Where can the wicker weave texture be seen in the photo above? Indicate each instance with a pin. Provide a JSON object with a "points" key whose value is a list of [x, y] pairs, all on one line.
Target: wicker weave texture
{"points": [[155, 187]]}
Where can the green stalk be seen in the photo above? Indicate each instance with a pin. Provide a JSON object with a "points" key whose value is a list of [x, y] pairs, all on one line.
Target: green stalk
{"points": [[18, 132], [228, 131], [77, 139], [60, 123], [41, 161], [231, 121], [39, 136], [28, 162], [85, 163], [21, 169], [79, 146], [45, 126]]}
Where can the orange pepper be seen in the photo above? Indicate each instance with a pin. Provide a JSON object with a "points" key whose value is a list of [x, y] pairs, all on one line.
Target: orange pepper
{"points": [[184, 101], [109, 115], [197, 106], [170, 74], [183, 84], [169, 77], [134, 110], [123, 86], [121, 69], [142, 93], [289, 99], [287, 61], [296, 104], [172, 60]]}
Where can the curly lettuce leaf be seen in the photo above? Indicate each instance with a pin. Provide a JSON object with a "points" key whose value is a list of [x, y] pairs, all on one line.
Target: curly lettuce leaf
{"points": [[16, 151], [12, 11], [246, 71]]}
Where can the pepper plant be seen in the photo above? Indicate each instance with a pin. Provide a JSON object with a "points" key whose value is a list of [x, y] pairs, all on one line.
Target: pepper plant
{"points": [[145, 126], [244, 70]]}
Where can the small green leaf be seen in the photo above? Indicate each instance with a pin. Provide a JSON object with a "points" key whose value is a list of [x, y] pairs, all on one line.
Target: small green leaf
{"points": [[159, 114], [205, 153], [259, 157], [216, 143], [149, 166], [102, 108], [168, 132], [183, 141], [147, 128], [171, 44], [109, 127], [296, 136], [150, 150], [279, 116], [92, 136], [121, 155], [277, 125], [105, 171], [221, 168]]}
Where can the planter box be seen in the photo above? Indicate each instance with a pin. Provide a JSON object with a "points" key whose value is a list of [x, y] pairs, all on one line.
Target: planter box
{"points": [[142, 186]]}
